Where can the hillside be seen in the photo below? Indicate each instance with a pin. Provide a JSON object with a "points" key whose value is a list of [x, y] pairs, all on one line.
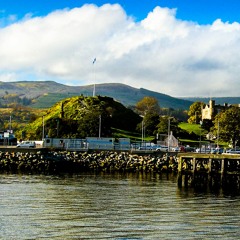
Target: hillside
{"points": [[46, 93]]}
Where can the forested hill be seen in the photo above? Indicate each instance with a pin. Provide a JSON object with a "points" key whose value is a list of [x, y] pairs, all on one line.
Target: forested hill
{"points": [[45, 94]]}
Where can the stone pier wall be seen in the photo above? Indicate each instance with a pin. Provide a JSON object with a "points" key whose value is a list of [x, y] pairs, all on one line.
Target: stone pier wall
{"points": [[76, 162]]}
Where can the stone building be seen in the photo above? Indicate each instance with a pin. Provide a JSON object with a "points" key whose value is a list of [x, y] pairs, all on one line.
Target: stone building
{"points": [[212, 109]]}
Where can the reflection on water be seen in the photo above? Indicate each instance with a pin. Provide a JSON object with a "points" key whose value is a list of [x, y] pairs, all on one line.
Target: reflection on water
{"points": [[119, 206]]}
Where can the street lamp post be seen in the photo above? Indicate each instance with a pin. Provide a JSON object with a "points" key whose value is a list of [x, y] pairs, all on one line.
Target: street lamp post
{"points": [[100, 123], [57, 127], [10, 123], [43, 130], [200, 139]]}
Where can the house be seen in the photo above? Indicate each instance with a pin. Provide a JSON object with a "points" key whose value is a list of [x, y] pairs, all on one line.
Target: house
{"points": [[171, 141], [168, 140]]}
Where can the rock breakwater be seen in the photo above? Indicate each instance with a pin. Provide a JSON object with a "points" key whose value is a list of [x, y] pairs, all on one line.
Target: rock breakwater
{"points": [[76, 162]]}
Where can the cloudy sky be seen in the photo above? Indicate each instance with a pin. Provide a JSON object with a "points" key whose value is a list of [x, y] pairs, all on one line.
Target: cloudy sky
{"points": [[182, 48]]}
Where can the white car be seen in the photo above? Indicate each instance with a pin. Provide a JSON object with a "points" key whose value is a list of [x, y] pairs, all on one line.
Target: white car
{"points": [[145, 148], [26, 144], [203, 150], [233, 151], [162, 149]]}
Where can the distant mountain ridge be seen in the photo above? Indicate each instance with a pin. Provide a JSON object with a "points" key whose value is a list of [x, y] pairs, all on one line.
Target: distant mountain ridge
{"points": [[218, 100], [47, 93]]}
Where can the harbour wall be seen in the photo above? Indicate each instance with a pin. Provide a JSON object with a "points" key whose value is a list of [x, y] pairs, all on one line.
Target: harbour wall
{"points": [[193, 169], [57, 162]]}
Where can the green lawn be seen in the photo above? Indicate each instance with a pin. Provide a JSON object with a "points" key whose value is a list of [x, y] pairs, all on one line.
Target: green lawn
{"points": [[192, 128], [195, 128], [118, 133], [198, 131]]}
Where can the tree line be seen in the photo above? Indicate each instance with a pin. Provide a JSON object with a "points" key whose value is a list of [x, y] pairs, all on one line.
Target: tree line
{"points": [[224, 127], [82, 119]]}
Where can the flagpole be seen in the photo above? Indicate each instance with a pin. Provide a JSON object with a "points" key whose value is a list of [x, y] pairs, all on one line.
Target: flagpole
{"points": [[94, 90], [94, 87]]}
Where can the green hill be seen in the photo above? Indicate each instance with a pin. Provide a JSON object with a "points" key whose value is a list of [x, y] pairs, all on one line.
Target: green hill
{"points": [[46, 93], [81, 116]]}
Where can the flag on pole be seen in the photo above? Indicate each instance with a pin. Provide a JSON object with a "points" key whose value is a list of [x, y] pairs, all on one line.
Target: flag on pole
{"points": [[94, 60]]}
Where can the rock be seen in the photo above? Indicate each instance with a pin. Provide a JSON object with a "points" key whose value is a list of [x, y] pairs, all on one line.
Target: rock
{"points": [[73, 162]]}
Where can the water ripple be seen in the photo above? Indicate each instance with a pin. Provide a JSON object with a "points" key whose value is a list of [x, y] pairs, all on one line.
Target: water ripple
{"points": [[112, 207]]}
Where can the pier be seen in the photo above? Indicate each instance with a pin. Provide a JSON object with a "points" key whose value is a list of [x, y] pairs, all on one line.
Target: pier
{"points": [[209, 170]]}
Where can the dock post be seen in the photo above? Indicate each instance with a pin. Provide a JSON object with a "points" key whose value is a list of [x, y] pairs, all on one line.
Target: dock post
{"points": [[186, 180], [210, 170], [193, 172], [223, 172], [207, 171], [180, 172]]}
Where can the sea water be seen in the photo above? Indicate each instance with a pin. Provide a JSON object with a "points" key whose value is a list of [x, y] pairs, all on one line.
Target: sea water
{"points": [[113, 206]]}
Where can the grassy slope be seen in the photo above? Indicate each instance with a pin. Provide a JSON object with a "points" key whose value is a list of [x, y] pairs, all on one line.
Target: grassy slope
{"points": [[198, 131], [195, 128], [118, 133]]}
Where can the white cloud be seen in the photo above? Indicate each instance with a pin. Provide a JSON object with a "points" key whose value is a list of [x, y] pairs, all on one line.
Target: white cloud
{"points": [[160, 53], [7, 77]]}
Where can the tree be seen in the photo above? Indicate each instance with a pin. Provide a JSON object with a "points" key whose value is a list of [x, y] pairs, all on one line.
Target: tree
{"points": [[207, 124], [150, 121], [149, 108], [148, 104], [167, 124], [227, 125], [195, 112], [181, 115]]}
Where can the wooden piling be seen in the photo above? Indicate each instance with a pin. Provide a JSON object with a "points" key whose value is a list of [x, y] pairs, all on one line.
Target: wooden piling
{"points": [[208, 170]]}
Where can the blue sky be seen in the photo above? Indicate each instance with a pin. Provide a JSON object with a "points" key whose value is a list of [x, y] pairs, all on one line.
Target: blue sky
{"points": [[177, 47], [201, 11]]}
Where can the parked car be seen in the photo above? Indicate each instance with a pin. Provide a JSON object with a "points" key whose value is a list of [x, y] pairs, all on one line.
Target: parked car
{"points": [[146, 147], [26, 144], [203, 150], [189, 149], [217, 150], [178, 149], [233, 151], [161, 149]]}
